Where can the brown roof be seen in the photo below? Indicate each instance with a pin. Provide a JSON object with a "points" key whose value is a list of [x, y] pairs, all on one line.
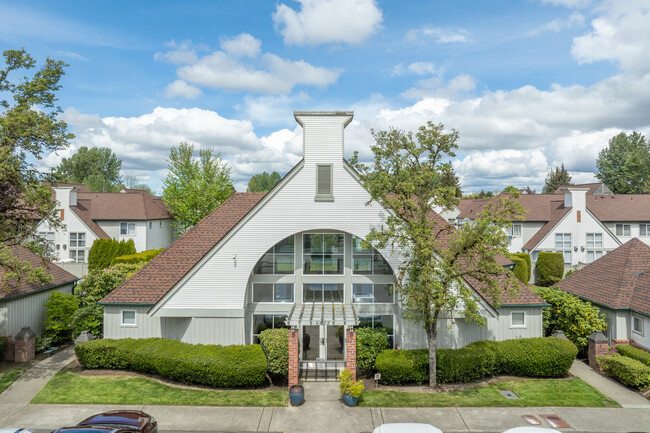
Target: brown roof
{"points": [[80, 186], [137, 205], [592, 187], [557, 213], [82, 210], [15, 288], [620, 207], [154, 280], [539, 207], [619, 279]]}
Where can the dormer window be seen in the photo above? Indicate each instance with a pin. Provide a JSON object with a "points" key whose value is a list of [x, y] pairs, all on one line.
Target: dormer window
{"points": [[324, 190]]}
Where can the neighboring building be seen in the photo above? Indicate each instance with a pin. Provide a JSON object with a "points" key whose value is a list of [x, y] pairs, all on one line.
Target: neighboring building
{"points": [[87, 216], [293, 257], [619, 284], [22, 302]]}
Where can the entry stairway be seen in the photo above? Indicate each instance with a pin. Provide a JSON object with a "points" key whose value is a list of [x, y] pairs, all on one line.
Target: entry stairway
{"points": [[320, 371]]}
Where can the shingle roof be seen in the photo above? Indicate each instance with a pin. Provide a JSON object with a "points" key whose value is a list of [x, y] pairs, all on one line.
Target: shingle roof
{"points": [[620, 207], [15, 288], [592, 187], [154, 280], [135, 205], [619, 279], [557, 213], [539, 207], [82, 210]]}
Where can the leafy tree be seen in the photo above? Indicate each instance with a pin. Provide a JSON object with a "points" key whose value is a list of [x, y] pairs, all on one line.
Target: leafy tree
{"points": [[436, 258], [556, 178], [29, 127], [510, 188], [59, 309], [449, 179], [624, 165], [194, 188], [97, 167], [132, 182], [263, 182], [480, 194]]}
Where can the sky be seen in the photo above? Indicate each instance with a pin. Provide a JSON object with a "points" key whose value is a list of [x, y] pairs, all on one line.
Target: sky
{"points": [[527, 84]]}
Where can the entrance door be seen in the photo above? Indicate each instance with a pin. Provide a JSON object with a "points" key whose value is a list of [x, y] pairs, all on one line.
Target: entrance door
{"points": [[322, 343]]}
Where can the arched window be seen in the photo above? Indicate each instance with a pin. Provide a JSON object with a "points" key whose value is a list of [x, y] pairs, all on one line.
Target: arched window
{"points": [[277, 260], [368, 261]]}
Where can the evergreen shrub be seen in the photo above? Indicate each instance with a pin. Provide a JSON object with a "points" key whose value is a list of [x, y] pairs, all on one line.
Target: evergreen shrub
{"points": [[529, 264], [634, 353], [275, 344], [370, 343], [550, 268], [103, 251], [141, 257], [626, 370]]}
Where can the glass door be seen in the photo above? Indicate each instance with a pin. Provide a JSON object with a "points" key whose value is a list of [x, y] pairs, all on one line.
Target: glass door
{"points": [[323, 343]]}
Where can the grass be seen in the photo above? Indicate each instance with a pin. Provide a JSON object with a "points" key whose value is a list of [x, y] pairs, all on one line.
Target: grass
{"points": [[531, 392], [10, 376], [69, 388]]}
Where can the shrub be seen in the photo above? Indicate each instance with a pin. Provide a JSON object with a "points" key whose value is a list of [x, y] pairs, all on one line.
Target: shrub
{"points": [[403, 366], [141, 257], [626, 370], [3, 345], [42, 342], [569, 272], [59, 309], [535, 357], [275, 344], [550, 268], [520, 269], [349, 386], [218, 366], [634, 353], [577, 318], [467, 364], [529, 265], [103, 251], [370, 343]]}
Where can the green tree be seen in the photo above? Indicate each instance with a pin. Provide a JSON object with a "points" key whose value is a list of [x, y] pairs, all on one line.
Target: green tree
{"points": [[263, 182], [29, 127], [194, 188], [510, 188], [59, 309], [97, 167], [624, 165], [403, 178], [480, 194], [132, 182], [449, 179], [556, 178]]}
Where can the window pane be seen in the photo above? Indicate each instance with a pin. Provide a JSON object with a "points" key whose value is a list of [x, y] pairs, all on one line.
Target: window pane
{"points": [[642, 230], [283, 292], [313, 264], [558, 240], [333, 292], [128, 317], [516, 229], [362, 265], [81, 239], [131, 228], [334, 243], [567, 240], [619, 229], [567, 257], [362, 293], [123, 228], [357, 246], [366, 321], [312, 243], [284, 263], [590, 256], [626, 230], [312, 292], [383, 293], [333, 264], [285, 245], [81, 256], [518, 319], [590, 240], [381, 266], [262, 292], [262, 322], [265, 265]]}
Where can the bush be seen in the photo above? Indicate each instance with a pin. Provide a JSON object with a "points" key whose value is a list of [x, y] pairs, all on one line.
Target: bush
{"points": [[634, 353], [569, 272], [3, 345], [103, 251], [59, 309], [42, 342], [141, 257], [530, 357], [218, 366], [577, 318], [626, 370], [275, 344], [520, 269], [529, 265], [550, 268], [370, 343]]}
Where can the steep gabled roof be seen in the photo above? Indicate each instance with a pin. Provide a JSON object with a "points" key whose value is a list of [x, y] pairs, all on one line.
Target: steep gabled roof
{"points": [[82, 210], [557, 213], [619, 279], [15, 288]]}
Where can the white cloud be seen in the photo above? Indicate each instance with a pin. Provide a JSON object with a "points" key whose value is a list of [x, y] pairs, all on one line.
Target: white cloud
{"points": [[439, 35], [180, 53], [556, 25], [508, 163], [437, 87], [70, 55], [568, 3], [242, 45], [272, 110], [328, 21], [180, 88]]}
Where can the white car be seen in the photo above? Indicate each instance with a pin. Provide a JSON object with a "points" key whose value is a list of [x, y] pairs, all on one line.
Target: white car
{"points": [[406, 427], [15, 430]]}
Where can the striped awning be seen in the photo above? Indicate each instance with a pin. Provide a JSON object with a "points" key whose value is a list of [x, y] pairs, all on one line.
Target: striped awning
{"points": [[323, 313]]}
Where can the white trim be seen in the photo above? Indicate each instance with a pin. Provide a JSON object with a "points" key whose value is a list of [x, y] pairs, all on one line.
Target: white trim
{"points": [[127, 228], [641, 332], [525, 325], [129, 325]]}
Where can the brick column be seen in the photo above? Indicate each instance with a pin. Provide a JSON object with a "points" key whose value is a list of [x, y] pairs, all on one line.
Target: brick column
{"points": [[294, 356], [25, 345], [598, 345], [10, 351], [351, 351]]}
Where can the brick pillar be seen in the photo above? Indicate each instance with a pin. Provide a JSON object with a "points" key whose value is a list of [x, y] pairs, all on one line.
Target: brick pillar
{"points": [[10, 350], [351, 351], [598, 345], [294, 356]]}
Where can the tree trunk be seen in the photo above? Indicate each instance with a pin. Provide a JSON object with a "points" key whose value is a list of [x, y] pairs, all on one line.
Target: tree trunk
{"points": [[432, 338]]}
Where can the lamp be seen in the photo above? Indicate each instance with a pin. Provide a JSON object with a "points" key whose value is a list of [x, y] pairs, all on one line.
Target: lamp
{"points": [[582, 248], [575, 248]]}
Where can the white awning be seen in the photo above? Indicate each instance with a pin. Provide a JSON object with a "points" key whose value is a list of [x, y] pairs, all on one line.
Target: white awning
{"points": [[324, 313]]}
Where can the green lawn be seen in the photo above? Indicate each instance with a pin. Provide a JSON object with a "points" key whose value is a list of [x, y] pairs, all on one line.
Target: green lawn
{"points": [[10, 376], [531, 392], [70, 388]]}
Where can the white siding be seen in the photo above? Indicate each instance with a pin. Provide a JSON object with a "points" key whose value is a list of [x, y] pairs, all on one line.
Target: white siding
{"points": [[157, 236], [72, 224], [643, 339], [145, 326], [112, 229]]}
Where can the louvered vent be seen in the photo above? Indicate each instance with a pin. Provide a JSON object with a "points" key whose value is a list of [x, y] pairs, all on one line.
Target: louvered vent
{"points": [[324, 182]]}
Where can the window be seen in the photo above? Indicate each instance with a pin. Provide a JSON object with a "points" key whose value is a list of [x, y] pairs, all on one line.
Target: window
{"points": [[563, 242], [268, 292], [277, 260], [263, 322], [637, 324], [150, 225], [128, 317], [594, 255], [622, 230], [594, 240], [79, 256], [78, 247], [517, 319], [514, 230], [644, 229], [127, 229], [322, 292], [323, 253], [372, 294], [324, 182], [368, 261], [47, 236], [161, 224], [385, 322]]}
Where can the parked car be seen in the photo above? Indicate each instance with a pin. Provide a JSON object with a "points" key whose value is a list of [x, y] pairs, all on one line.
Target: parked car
{"points": [[115, 421], [528, 429], [406, 427], [92, 429], [15, 430]]}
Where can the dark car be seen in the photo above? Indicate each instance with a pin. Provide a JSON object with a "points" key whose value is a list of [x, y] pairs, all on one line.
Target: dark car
{"points": [[116, 421]]}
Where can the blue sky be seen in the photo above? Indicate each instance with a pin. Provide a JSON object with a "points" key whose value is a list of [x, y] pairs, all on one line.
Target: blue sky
{"points": [[528, 84]]}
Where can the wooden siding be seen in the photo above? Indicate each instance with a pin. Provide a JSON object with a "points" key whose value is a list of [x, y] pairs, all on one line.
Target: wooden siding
{"points": [[145, 326], [643, 339]]}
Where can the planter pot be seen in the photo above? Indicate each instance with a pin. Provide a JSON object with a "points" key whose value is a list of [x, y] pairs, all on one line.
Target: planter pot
{"points": [[296, 395], [350, 401]]}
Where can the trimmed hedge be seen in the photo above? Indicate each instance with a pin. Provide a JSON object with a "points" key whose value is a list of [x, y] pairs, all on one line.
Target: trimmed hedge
{"points": [[626, 370], [144, 256], [103, 251], [529, 264], [520, 269], [634, 353], [550, 268], [218, 366], [275, 344], [370, 343], [3, 345], [530, 357]]}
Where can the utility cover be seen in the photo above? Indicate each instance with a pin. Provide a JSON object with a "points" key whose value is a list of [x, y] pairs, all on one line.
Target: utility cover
{"points": [[555, 421], [509, 395]]}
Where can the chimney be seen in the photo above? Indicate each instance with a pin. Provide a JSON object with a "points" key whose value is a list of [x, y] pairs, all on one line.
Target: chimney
{"points": [[73, 196], [575, 197]]}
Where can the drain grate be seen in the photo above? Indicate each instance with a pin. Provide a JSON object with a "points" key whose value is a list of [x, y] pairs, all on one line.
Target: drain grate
{"points": [[509, 395]]}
